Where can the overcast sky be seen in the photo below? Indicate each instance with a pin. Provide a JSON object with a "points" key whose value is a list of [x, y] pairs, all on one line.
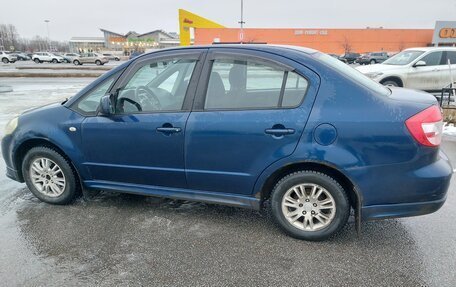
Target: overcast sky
{"points": [[85, 17]]}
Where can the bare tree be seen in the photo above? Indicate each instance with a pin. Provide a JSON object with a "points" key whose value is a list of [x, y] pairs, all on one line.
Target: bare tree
{"points": [[346, 45]]}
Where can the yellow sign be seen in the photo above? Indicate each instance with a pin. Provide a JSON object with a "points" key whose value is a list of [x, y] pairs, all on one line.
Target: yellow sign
{"points": [[447, 33], [189, 20]]}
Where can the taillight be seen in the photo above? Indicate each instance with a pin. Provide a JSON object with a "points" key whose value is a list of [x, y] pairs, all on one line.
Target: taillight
{"points": [[426, 126]]}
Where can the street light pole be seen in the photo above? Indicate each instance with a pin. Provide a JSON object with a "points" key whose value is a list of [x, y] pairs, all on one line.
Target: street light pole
{"points": [[48, 36], [241, 35]]}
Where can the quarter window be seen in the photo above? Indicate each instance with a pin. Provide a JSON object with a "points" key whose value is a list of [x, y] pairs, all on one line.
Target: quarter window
{"points": [[235, 84], [89, 104]]}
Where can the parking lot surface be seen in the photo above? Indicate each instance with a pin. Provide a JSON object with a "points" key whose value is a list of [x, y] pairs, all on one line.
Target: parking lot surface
{"points": [[113, 239]]}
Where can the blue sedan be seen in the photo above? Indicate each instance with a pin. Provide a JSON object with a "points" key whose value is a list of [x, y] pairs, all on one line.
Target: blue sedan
{"points": [[253, 126]]}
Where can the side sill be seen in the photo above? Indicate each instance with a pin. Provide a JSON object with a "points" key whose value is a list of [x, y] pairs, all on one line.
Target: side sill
{"points": [[177, 193]]}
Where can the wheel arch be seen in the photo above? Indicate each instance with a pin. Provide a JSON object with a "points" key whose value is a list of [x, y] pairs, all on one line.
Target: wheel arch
{"points": [[397, 79], [353, 192], [25, 146]]}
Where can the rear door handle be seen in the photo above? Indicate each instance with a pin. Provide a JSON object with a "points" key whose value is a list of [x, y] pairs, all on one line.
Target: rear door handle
{"points": [[279, 132], [168, 130]]}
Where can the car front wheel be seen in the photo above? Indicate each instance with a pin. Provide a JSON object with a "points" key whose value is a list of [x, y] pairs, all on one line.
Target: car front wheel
{"points": [[98, 62], [37, 61], [5, 60], [310, 205], [49, 176]]}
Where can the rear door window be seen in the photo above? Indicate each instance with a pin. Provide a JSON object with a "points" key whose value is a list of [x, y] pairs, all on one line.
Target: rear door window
{"points": [[249, 84]]}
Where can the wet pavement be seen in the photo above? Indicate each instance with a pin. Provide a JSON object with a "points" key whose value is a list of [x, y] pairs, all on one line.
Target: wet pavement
{"points": [[112, 239]]}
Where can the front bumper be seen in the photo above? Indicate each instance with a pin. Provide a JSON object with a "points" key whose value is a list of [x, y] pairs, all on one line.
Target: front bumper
{"points": [[11, 171]]}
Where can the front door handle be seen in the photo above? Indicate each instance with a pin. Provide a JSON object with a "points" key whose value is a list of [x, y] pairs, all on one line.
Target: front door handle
{"points": [[168, 129], [279, 131]]}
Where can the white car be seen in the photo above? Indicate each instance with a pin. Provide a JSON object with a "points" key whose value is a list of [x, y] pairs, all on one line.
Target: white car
{"points": [[41, 57], [7, 57], [416, 68]]}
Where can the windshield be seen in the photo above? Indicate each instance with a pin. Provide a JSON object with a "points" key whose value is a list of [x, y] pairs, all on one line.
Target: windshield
{"points": [[353, 74], [403, 58]]}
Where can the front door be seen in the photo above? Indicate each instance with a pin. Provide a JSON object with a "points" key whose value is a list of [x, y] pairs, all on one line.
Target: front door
{"points": [[248, 114], [143, 142], [430, 77]]}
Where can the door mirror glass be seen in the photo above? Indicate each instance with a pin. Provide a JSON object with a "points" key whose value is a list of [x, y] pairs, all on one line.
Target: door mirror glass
{"points": [[106, 106], [420, 64]]}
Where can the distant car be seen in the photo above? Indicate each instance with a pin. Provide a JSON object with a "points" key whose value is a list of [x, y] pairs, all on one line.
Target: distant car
{"points": [[111, 57], [135, 54], [7, 57], [416, 68], [41, 57], [254, 126], [69, 57], [349, 58], [372, 58], [90, 58], [338, 57], [21, 56]]}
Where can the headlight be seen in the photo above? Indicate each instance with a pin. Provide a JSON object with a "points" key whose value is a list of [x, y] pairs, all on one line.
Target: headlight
{"points": [[374, 75], [11, 126]]}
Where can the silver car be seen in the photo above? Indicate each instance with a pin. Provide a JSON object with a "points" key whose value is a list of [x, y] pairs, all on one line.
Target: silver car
{"points": [[90, 58]]}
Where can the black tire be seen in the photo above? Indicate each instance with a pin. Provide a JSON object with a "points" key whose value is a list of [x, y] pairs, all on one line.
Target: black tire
{"points": [[391, 83], [76, 62], [54, 61], [72, 187], [311, 177], [37, 60], [372, 62], [98, 62], [5, 60], [116, 59]]}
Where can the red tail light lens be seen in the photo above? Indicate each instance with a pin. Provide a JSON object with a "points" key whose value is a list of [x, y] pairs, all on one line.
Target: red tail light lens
{"points": [[426, 126]]}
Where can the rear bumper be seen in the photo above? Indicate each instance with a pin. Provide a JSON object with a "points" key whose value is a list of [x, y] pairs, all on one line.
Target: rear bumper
{"points": [[418, 192], [401, 210]]}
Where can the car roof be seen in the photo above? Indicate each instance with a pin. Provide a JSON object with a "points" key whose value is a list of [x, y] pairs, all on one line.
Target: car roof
{"points": [[257, 47], [425, 49]]}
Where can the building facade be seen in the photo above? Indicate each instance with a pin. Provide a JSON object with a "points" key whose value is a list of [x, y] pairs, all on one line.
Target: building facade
{"points": [[337, 41], [124, 43]]}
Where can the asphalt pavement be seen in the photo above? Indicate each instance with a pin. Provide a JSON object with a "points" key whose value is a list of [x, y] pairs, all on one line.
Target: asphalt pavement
{"points": [[113, 239]]}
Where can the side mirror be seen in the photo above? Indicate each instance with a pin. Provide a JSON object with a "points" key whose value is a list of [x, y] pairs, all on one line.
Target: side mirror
{"points": [[106, 106], [420, 64]]}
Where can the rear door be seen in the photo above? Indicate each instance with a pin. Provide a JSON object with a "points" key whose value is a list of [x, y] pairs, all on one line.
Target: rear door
{"points": [[250, 110]]}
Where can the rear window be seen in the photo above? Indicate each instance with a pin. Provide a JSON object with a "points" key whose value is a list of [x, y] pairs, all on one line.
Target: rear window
{"points": [[353, 74]]}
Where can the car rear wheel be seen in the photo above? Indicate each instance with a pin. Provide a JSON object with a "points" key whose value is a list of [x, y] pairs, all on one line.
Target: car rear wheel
{"points": [[54, 61], [76, 62], [372, 62], [310, 205], [49, 176], [5, 60], [98, 62]]}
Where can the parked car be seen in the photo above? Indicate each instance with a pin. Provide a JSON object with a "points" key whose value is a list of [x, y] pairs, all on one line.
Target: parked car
{"points": [[69, 57], [338, 57], [349, 58], [111, 57], [416, 68], [41, 57], [372, 58], [21, 56], [90, 58], [191, 123], [7, 57]]}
